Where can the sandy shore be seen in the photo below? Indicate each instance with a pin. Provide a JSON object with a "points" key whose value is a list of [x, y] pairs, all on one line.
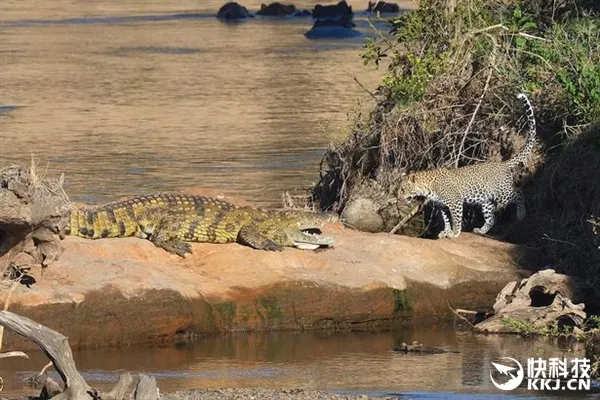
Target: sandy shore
{"points": [[245, 393]]}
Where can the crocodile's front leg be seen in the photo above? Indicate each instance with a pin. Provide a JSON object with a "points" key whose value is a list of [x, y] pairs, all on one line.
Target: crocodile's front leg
{"points": [[251, 235], [165, 236]]}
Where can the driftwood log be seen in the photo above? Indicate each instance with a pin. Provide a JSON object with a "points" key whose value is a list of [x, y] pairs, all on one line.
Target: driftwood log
{"points": [[57, 349], [416, 347], [542, 300], [13, 354]]}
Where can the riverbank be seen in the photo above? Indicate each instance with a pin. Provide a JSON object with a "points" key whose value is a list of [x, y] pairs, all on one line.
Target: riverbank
{"points": [[120, 291]]}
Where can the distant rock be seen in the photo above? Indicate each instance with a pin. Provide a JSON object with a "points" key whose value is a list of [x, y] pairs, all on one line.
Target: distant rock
{"points": [[303, 13], [383, 7], [233, 11], [277, 10], [333, 29], [339, 11]]}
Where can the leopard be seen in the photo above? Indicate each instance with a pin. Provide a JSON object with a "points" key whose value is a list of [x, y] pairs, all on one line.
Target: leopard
{"points": [[489, 185]]}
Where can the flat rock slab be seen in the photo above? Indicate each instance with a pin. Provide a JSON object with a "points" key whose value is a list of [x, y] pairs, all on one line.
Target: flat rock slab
{"points": [[122, 291]]}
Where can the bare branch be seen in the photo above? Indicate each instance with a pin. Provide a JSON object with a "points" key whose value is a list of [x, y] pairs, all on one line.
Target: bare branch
{"points": [[13, 354]]}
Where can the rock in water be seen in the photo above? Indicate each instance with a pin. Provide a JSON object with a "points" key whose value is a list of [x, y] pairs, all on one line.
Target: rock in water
{"points": [[333, 29], [337, 11], [276, 10], [233, 11]]}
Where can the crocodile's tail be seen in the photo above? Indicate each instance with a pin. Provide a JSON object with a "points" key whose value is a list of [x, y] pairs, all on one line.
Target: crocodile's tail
{"points": [[522, 155], [96, 224]]}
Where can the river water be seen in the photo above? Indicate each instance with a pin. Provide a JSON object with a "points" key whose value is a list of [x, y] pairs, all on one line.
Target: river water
{"points": [[129, 97], [355, 362]]}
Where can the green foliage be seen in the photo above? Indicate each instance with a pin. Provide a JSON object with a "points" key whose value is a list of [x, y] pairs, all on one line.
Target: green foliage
{"points": [[421, 47], [416, 75], [593, 322], [426, 45], [552, 330], [527, 329], [567, 64]]}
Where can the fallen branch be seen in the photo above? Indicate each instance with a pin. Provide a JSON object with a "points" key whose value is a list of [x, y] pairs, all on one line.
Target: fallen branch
{"points": [[455, 312], [49, 387], [13, 354], [119, 391], [6, 304], [404, 220], [56, 347]]}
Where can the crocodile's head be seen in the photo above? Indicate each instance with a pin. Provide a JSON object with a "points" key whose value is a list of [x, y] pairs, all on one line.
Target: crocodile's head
{"points": [[303, 229]]}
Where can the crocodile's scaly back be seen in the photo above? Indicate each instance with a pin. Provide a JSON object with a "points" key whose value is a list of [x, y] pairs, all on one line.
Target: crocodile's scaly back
{"points": [[140, 215], [169, 219]]}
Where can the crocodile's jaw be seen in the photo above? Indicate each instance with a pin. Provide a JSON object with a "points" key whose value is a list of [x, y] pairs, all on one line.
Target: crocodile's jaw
{"points": [[307, 241]]}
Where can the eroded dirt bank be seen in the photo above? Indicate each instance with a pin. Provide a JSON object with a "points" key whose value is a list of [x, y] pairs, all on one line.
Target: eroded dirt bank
{"points": [[122, 291]]}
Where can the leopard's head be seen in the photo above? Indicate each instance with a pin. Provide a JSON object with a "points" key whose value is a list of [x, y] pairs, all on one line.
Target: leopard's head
{"points": [[414, 185]]}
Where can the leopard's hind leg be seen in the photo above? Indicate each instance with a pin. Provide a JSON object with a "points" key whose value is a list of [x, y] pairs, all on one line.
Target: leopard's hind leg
{"points": [[488, 215], [452, 228], [520, 201]]}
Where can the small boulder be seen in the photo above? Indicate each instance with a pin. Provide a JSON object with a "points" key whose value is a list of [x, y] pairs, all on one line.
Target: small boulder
{"points": [[233, 11], [277, 10], [383, 7], [363, 214], [337, 11]]}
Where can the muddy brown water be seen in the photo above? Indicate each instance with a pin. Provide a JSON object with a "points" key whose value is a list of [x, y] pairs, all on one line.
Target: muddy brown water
{"points": [[139, 96], [354, 362], [130, 97]]}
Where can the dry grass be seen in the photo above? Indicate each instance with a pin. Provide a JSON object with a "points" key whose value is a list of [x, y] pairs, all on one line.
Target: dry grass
{"points": [[468, 116]]}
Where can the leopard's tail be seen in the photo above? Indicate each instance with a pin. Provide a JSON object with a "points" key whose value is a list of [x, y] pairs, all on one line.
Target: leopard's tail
{"points": [[522, 155]]}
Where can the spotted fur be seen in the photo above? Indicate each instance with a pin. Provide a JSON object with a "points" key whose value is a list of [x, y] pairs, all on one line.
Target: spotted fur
{"points": [[490, 184]]}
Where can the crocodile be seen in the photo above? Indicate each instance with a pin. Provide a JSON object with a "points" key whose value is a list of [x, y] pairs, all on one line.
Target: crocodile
{"points": [[171, 220]]}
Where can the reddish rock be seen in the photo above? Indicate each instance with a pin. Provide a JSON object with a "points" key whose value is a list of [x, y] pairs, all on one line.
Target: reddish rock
{"points": [[122, 291]]}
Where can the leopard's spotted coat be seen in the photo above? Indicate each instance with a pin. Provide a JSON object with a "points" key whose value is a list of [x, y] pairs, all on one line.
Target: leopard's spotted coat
{"points": [[489, 184]]}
